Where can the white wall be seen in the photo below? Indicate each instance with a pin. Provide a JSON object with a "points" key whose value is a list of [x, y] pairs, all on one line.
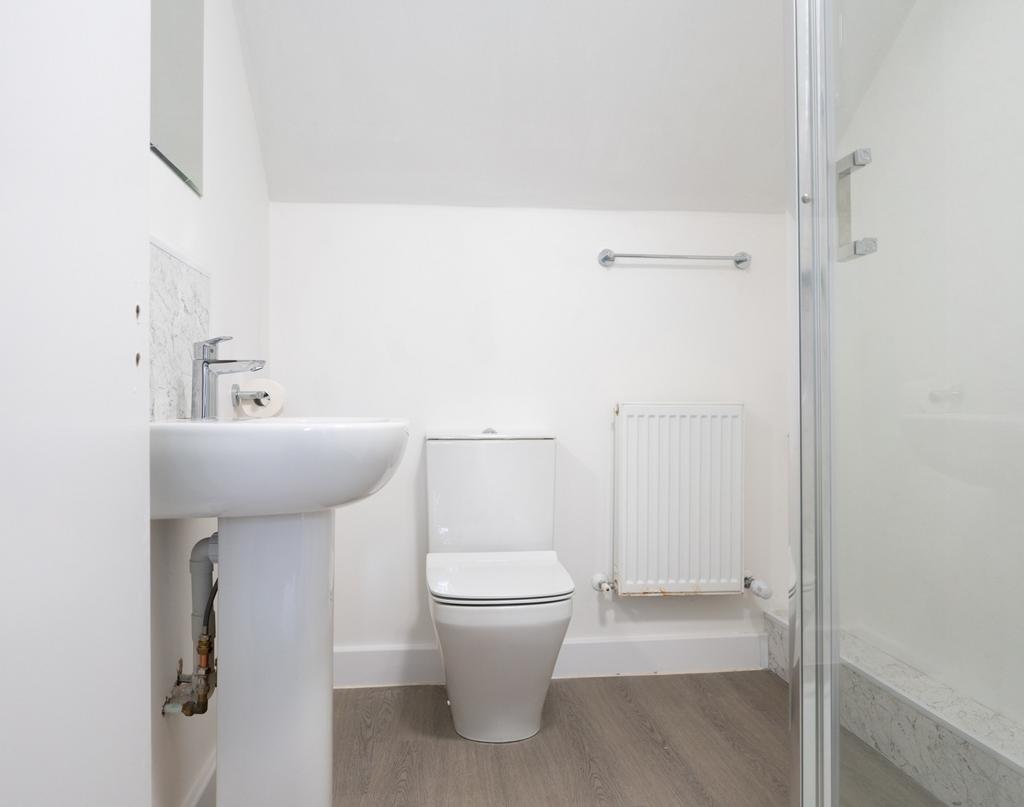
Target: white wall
{"points": [[465, 318], [225, 234], [930, 531], [74, 468]]}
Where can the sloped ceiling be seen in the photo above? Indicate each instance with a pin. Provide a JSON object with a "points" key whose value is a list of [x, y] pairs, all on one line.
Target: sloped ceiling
{"points": [[867, 30], [615, 104]]}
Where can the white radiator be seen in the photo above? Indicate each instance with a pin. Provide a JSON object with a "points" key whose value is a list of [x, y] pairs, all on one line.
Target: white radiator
{"points": [[678, 499]]}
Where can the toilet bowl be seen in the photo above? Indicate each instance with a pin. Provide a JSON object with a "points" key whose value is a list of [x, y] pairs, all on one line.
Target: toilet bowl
{"points": [[500, 600], [498, 651]]}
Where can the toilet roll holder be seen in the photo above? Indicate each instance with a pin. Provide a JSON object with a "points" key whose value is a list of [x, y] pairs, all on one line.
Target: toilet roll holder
{"points": [[257, 396]]}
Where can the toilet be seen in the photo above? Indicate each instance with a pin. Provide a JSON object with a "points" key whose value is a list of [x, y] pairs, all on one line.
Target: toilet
{"points": [[499, 598]]}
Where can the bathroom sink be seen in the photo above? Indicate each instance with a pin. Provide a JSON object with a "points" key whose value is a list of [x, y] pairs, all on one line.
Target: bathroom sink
{"points": [[269, 466]]}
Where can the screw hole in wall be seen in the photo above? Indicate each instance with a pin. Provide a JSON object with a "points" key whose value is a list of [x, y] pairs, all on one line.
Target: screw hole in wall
{"points": [[138, 358]]}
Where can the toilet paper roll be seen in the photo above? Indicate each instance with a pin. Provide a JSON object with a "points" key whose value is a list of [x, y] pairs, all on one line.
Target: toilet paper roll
{"points": [[268, 407]]}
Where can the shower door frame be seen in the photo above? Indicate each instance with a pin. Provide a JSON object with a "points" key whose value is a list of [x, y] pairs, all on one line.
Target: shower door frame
{"points": [[814, 642]]}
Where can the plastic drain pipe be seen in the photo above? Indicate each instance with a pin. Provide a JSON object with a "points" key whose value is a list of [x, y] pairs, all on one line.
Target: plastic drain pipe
{"points": [[200, 567]]}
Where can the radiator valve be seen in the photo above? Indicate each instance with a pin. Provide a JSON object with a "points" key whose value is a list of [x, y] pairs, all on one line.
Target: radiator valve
{"points": [[759, 588], [601, 583]]}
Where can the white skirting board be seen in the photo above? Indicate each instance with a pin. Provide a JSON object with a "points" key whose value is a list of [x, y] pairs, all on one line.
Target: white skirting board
{"points": [[386, 665], [395, 665]]}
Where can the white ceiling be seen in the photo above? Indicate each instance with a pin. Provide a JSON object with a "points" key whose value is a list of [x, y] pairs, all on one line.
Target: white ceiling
{"points": [[619, 104]]}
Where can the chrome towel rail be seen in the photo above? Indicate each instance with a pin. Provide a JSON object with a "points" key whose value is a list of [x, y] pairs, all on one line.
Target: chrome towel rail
{"points": [[606, 258]]}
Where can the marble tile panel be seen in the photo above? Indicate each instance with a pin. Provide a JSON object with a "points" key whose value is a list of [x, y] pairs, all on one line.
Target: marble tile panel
{"points": [[964, 753], [179, 314], [975, 721], [776, 632]]}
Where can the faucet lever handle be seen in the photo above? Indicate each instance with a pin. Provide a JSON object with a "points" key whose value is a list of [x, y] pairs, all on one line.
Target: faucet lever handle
{"points": [[207, 349]]}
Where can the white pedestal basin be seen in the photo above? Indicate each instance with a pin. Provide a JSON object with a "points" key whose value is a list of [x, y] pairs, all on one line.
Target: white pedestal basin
{"points": [[228, 468], [272, 483]]}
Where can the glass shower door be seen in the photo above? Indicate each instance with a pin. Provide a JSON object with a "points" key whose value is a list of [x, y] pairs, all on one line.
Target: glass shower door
{"points": [[911, 641]]}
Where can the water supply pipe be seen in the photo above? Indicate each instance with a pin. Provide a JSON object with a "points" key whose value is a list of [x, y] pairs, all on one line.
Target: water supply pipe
{"points": [[191, 693]]}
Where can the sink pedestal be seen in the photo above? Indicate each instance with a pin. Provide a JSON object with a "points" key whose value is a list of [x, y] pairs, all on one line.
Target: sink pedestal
{"points": [[275, 636]]}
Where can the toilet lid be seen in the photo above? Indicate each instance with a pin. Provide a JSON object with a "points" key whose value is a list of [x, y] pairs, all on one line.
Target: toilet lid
{"points": [[496, 575]]}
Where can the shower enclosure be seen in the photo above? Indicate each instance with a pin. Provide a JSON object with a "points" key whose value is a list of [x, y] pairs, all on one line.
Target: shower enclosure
{"points": [[906, 625]]}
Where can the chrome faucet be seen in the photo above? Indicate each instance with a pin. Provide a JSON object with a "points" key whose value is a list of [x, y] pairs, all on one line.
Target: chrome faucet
{"points": [[205, 369]]}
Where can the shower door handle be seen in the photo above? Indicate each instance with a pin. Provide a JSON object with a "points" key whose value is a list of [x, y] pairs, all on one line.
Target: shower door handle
{"points": [[849, 247]]}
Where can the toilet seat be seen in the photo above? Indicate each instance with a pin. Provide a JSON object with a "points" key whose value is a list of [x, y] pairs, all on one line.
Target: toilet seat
{"points": [[480, 579], [488, 603]]}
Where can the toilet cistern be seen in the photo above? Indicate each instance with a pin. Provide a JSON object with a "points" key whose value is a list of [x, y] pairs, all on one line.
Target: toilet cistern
{"points": [[206, 366]]}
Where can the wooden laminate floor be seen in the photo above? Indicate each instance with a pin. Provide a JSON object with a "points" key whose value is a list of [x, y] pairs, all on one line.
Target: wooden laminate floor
{"points": [[655, 741]]}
